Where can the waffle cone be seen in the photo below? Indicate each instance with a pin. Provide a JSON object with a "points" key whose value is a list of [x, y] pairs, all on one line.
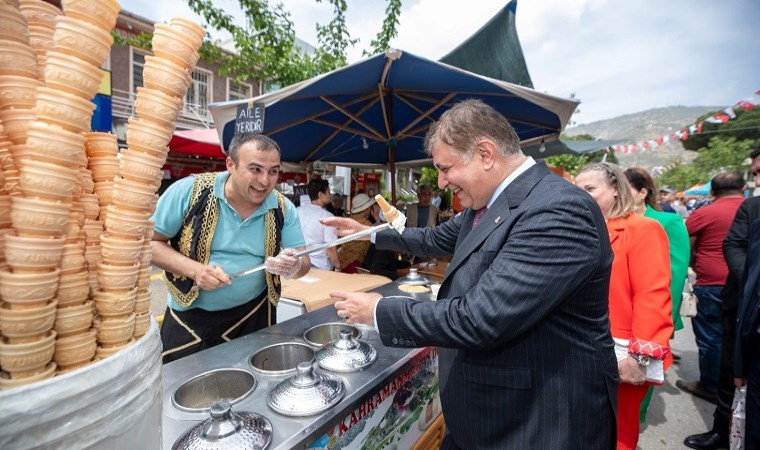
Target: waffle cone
{"points": [[390, 212]]}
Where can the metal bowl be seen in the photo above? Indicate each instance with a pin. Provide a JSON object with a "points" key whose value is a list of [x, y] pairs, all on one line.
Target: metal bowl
{"points": [[219, 385], [282, 358], [320, 335]]}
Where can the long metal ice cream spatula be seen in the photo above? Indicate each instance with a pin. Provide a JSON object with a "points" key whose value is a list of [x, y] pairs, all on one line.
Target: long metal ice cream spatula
{"points": [[343, 240]]}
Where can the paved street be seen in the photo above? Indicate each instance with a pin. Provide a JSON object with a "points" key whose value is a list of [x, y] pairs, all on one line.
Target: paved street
{"points": [[673, 414], [157, 292]]}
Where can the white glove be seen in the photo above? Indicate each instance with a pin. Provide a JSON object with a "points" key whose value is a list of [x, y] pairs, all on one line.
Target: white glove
{"points": [[284, 264]]}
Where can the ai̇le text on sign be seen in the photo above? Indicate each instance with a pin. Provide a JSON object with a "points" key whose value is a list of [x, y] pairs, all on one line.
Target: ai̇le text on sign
{"points": [[249, 118]]}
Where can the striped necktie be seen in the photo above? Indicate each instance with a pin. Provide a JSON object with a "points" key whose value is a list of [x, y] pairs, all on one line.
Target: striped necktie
{"points": [[478, 215]]}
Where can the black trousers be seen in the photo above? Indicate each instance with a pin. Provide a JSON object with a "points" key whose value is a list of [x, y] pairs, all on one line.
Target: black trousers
{"points": [[186, 332], [722, 414]]}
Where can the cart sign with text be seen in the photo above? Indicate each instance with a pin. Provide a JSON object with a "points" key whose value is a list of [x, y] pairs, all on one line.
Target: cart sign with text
{"points": [[394, 416]]}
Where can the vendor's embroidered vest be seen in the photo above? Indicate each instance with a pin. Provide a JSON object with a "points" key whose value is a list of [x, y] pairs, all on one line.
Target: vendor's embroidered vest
{"points": [[198, 226]]}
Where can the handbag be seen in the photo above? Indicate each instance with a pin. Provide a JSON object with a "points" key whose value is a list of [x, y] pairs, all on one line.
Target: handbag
{"points": [[688, 303]]}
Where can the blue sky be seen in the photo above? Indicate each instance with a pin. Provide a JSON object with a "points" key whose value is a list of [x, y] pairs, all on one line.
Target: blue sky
{"points": [[618, 57]]}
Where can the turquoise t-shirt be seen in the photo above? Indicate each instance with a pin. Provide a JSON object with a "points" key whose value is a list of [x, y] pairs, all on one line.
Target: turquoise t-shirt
{"points": [[237, 244]]}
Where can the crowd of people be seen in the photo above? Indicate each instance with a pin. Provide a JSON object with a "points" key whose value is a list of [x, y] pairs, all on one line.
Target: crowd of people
{"points": [[555, 316]]}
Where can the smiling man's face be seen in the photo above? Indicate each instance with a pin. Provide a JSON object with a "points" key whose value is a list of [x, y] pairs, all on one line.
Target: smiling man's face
{"points": [[254, 175]]}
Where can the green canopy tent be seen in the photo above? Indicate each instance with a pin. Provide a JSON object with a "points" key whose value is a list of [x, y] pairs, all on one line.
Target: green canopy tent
{"points": [[494, 51], [558, 147]]}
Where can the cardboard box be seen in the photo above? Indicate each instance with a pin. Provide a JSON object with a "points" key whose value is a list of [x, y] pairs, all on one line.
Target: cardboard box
{"points": [[313, 290]]}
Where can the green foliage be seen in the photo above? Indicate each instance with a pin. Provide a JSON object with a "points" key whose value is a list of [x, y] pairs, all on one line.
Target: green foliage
{"points": [[388, 31], [681, 177], [571, 163], [574, 163], [142, 40], [266, 49], [721, 154], [429, 176], [334, 39], [746, 126], [208, 51]]}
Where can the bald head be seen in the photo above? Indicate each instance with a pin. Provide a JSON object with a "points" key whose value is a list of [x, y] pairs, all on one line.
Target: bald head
{"points": [[727, 183]]}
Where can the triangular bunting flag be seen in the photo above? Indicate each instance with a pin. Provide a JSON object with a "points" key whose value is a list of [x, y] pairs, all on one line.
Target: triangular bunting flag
{"points": [[724, 116], [745, 105]]}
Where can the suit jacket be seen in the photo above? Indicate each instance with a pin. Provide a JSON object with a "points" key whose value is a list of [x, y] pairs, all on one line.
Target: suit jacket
{"points": [[413, 221], [735, 250], [748, 317], [526, 358], [640, 306]]}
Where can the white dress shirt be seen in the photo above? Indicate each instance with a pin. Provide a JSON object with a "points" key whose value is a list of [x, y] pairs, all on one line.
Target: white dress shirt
{"points": [[315, 233]]}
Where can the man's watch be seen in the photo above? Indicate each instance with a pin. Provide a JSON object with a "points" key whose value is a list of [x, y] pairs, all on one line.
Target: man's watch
{"points": [[642, 360]]}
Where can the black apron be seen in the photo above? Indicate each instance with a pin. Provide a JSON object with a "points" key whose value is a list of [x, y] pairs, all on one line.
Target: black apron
{"points": [[186, 332]]}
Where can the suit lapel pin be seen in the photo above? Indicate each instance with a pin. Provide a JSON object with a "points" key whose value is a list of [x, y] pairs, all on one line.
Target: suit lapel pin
{"points": [[497, 219]]}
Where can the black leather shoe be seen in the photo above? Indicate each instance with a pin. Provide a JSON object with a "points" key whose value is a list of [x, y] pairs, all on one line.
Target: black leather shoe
{"points": [[707, 441], [695, 388]]}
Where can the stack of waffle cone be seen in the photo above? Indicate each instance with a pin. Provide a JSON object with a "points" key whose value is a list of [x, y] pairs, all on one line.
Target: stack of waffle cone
{"points": [[140, 169], [45, 108]]}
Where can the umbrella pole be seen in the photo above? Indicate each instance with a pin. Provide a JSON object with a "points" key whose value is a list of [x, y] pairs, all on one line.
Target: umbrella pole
{"points": [[391, 145], [392, 167]]}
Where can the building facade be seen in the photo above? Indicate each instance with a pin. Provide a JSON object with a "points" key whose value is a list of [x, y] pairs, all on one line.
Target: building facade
{"points": [[208, 85]]}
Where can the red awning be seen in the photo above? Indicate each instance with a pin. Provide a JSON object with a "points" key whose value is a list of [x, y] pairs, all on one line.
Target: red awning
{"points": [[200, 142]]}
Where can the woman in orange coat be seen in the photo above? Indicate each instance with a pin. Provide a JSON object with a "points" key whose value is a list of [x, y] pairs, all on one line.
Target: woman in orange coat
{"points": [[640, 302]]}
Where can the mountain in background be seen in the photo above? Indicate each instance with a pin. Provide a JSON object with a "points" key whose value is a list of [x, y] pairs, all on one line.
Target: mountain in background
{"points": [[645, 125]]}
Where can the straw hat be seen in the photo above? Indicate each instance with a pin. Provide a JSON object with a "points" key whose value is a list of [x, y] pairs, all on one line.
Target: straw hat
{"points": [[361, 202]]}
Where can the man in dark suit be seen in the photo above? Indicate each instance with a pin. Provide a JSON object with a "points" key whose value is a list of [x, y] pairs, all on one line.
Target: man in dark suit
{"points": [[747, 349], [526, 359], [735, 250]]}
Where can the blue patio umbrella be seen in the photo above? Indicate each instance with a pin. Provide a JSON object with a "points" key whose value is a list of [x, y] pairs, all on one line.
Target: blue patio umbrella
{"points": [[376, 112], [703, 190]]}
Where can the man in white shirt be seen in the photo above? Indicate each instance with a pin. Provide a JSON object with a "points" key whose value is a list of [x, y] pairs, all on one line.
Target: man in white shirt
{"points": [[314, 232]]}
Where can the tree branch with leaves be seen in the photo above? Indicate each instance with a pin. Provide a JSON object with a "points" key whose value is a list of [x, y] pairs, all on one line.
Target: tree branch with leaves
{"points": [[389, 29]]}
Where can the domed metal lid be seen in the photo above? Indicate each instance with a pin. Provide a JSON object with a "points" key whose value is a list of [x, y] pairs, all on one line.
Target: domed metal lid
{"points": [[345, 354], [306, 393], [227, 430], [414, 278]]}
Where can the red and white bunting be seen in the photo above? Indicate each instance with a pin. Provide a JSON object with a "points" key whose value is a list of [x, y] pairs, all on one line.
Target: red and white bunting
{"points": [[722, 117]]}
